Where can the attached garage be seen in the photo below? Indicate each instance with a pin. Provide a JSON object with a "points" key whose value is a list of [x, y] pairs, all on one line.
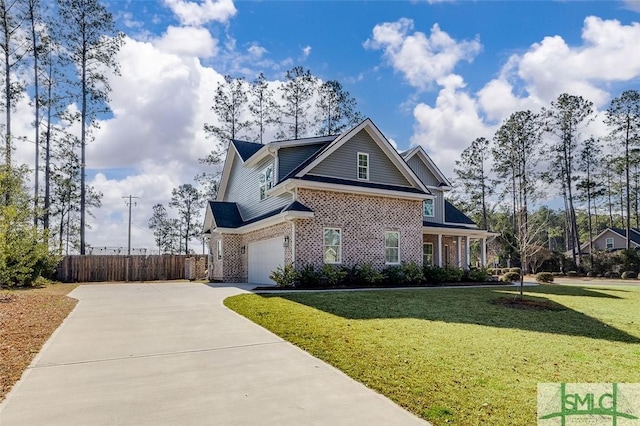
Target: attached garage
{"points": [[264, 257]]}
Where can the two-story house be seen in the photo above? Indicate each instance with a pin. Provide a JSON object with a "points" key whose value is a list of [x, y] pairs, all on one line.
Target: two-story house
{"points": [[341, 200]]}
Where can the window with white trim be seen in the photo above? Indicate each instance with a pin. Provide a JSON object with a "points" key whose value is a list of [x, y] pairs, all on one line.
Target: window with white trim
{"points": [[427, 254], [332, 245], [609, 243], [219, 249], [266, 181], [427, 208], [392, 247], [363, 166]]}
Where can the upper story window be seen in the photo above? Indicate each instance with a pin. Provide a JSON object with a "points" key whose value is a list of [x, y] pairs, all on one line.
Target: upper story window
{"points": [[609, 243], [427, 208], [332, 245], [363, 166], [266, 181]]}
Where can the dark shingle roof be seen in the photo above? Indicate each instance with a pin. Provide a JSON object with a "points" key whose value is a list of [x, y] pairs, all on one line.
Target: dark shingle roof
{"points": [[362, 184], [227, 215], [635, 235], [246, 149], [453, 215]]}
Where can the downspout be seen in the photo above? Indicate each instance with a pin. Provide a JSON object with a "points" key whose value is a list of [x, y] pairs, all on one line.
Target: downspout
{"points": [[294, 194]]}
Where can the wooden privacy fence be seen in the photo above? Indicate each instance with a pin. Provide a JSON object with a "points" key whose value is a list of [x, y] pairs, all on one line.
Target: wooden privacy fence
{"points": [[131, 268]]}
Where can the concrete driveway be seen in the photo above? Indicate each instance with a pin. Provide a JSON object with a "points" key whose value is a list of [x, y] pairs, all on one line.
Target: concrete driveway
{"points": [[172, 354]]}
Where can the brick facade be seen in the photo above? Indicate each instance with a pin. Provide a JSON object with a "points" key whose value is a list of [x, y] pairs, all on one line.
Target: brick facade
{"points": [[363, 220], [234, 265]]}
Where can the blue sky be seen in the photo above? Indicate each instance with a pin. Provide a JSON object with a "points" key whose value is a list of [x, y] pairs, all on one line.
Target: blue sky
{"points": [[434, 73]]}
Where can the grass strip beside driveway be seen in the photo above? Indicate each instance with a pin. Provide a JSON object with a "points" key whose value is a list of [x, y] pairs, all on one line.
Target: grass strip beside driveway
{"points": [[28, 317], [454, 356]]}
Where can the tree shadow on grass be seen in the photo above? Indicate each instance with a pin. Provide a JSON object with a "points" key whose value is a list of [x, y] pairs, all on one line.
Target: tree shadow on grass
{"points": [[465, 306], [562, 290]]}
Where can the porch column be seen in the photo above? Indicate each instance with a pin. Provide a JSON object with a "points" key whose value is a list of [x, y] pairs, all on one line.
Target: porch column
{"points": [[483, 253], [468, 252], [459, 247], [440, 250]]}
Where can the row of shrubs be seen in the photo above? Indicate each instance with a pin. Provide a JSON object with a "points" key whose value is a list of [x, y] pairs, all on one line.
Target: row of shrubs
{"points": [[365, 275], [502, 271]]}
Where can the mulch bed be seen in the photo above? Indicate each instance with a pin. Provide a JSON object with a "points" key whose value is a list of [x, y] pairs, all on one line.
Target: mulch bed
{"points": [[27, 319], [460, 284], [524, 303]]}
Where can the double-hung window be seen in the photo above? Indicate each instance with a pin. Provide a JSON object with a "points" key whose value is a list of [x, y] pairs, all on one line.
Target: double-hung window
{"points": [[266, 181], [392, 247], [332, 245], [427, 254], [427, 208], [363, 166], [609, 243]]}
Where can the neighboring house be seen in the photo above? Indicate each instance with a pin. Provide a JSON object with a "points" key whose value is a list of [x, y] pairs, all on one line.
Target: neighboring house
{"points": [[340, 200], [613, 239]]}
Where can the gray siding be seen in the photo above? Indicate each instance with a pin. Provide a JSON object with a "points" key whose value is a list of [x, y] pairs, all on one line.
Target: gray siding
{"points": [[342, 163], [438, 207], [423, 172], [290, 158], [243, 189]]}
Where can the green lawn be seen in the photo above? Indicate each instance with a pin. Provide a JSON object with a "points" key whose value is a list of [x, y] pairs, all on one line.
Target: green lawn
{"points": [[451, 355]]}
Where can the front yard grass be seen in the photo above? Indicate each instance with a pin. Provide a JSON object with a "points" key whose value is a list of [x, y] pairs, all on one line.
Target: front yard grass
{"points": [[27, 318], [455, 356]]}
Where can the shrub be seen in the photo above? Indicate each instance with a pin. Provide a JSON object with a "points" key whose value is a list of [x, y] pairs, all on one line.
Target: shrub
{"points": [[476, 275], [434, 274], [572, 274], [544, 277], [614, 275], [412, 273], [309, 276], [284, 277], [629, 275], [558, 274], [591, 274], [362, 275], [394, 274], [518, 270], [510, 277], [453, 274], [491, 271], [333, 276], [628, 259]]}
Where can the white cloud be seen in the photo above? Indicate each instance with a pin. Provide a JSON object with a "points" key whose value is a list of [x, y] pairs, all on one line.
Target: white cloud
{"points": [[632, 5], [200, 13], [422, 59], [306, 51], [188, 41], [256, 51]]}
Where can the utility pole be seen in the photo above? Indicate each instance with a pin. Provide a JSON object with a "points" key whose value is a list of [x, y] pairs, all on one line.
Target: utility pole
{"points": [[130, 203]]}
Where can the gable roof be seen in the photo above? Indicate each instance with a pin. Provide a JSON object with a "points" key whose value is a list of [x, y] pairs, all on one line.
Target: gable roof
{"points": [[422, 154], [378, 138]]}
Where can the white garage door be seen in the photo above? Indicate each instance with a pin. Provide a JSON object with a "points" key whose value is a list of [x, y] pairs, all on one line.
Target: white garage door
{"points": [[264, 257]]}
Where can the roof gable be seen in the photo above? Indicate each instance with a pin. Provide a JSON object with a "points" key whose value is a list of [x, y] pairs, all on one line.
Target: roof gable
{"points": [[453, 215], [433, 170], [246, 149], [388, 158]]}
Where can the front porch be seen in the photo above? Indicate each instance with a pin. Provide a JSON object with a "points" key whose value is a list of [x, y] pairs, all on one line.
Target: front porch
{"points": [[462, 247]]}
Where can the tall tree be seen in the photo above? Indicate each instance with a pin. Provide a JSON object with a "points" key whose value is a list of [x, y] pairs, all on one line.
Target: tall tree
{"points": [[229, 105], [623, 119], [92, 43], [473, 173], [263, 107], [297, 92], [187, 201], [11, 45], [336, 108], [564, 119], [588, 163], [162, 228]]}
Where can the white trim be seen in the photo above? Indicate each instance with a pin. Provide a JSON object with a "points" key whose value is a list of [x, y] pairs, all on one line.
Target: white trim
{"points": [[219, 248], [226, 171], [339, 261], [606, 243], [466, 225], [389, 247], [273, 220], [473, 233], [459, 247], [289, 184], [433, 207], [381, 141], [266, 182], [367, 168], [432, 256]]}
